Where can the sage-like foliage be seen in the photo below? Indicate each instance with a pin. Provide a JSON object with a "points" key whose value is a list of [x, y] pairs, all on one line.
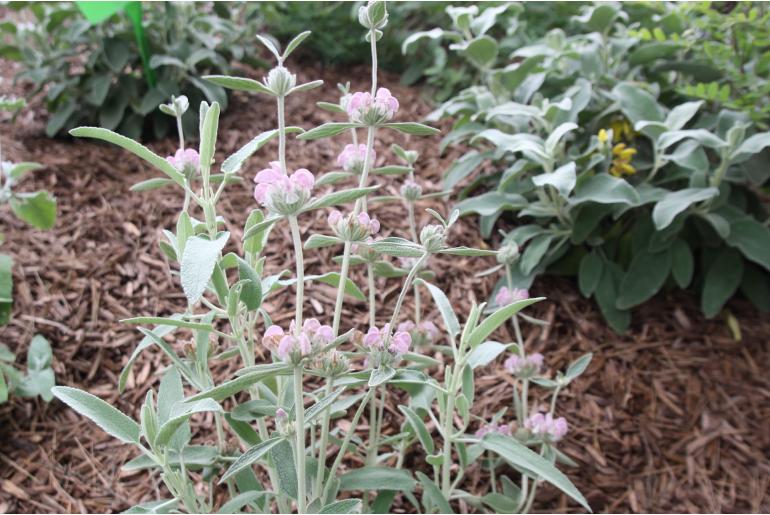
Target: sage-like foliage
{"points": [[283, 427]]}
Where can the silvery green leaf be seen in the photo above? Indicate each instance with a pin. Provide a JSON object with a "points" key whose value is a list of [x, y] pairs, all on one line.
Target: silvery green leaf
{"points": [[209, 136], [702, 136], [332, 108], [533, 463], [171, 322], [161, 506], [496, 319], [19, 170], [133, 147], [319, 407], [675, 202], [344, 506], [433, 498], [752, 238], [180, 413], [436, 33], [200, 256], [413, 128], [482, 51], [327, 130], [394, 248], [490, 203], [679, 116], [485, 354], [381, 375], [241, 383], [637, 104], [337, 198], [306, 87], [251, 456], [577, 367], [160, 331], [260, 228], [151, 184], [391, 170], [317, 241], [377, 478], [722, 280], [234, 163], [563, 179], [294, 43], [444, 306], [37, 209], [112, 421], [467, 251], [645, 276], [239, 84], [555, 137], [283, 460], [605, 189], [332, 279], [333, 178], [751, 146]]}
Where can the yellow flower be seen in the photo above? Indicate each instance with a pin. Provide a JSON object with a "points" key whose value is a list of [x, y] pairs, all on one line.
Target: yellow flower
{"points": [[622, 129], [603, 136], [621, 162]]}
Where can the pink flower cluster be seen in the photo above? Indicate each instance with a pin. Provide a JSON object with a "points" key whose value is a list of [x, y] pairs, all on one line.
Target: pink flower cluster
{"points": [[290, 345], [547, 427], [524, 366], [363, 108], [352, 158], [506, 296], [493, 427], [399, 343], [186, 160], [276, 188], [351, 228], [425, 327]]}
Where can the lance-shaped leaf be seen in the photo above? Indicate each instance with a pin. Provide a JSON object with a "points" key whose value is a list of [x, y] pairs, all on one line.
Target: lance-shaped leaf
{"points": [[675, 202], [332, 279], [419, 428], [537, 466], [444, 307], [467, 251], [377, 478], [332, 108], [496, 319], [317, 241], [239, 84], [173, 321], [391, 170], [400, 247], [415, 129], [133, 147], [251, 456], [260, 227], [180, 413], [344, 506], [327, 130], [337, 198], [112, 421], [160, 331], [234, 163], [316, 409], [381, 375], [225, 390], [200, 256], [151, 184], [563, 179]]}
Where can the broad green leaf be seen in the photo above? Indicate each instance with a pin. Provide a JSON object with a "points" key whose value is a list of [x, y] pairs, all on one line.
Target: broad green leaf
{"points": [[251, 291], [675, 202], [485, 354], [294, 43], [381, 375], [208, 136], [496, 319], [195, 457], [180, 414], [563, 179], [533, 254], [682, 263], [555, 137], [752, 145], [419, 428], [752, 239], [133, 147], [251, 456], [234, 163], [589, 273], [536, 465], [722, 280], [282, 458], [228, 388], [577, 367], [605, 189], [112, 421], [37, 209], [463, 167], [490, 203], [482, 51], [606, 296], [377, 478], [756, 286], [646, 275], [200, 256], [637, 104]]}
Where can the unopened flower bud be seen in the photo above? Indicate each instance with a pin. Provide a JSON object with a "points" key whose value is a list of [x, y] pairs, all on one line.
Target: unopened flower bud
{"points": [[281, 193], [524, 367], [508, 253], [506, 296], [352, 158], [357, 228], [493, 427], [432, 237], [411, 191], [187, 161], [546, 427], [280, 80], [372, 110]]}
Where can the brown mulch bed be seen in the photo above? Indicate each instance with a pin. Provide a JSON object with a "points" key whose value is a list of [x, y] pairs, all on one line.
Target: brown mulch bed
{"points": [[671, 417]]}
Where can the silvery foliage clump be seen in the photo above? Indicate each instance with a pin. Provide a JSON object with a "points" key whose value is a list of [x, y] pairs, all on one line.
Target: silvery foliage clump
{"points": [[613, 175], [289, 455]]}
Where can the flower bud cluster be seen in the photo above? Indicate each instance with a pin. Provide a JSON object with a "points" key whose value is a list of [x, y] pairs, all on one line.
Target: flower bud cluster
{"points": [[283, 425], [293, 347], [397, 345], [352, 158], [524, 367], [432, 237], [493, 427], [411, 191], [280, 193], [187, 161], [423, 333], [280, 80], [507, 296], [546, 427], [353, 227], [368, 110]]}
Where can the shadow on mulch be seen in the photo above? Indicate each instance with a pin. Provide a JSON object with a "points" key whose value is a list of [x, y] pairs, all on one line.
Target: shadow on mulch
{"points": [[671, 417]]}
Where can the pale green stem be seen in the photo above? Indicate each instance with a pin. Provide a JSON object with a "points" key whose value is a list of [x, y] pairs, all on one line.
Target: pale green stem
{"points": [[446, 480], [346, 442], [300, 299], [341, 289], [324, 441], [417, 309], [299, 431], [373, 45], [372, 307], [400, 300], [282, 134]]}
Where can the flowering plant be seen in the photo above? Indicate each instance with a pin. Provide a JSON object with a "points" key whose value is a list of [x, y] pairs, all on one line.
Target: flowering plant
{"points": [[265, 404]]}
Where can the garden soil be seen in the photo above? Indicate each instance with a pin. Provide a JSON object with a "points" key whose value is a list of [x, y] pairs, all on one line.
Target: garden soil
{"points": [[670, 417]]}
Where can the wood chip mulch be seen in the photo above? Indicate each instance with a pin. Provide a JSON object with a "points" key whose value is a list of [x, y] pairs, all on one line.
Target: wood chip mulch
{"points": [[671, 417]]}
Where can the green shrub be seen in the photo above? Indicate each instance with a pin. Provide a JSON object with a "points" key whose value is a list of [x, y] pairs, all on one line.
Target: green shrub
{"points": [[614, 175], [93, 74]]}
